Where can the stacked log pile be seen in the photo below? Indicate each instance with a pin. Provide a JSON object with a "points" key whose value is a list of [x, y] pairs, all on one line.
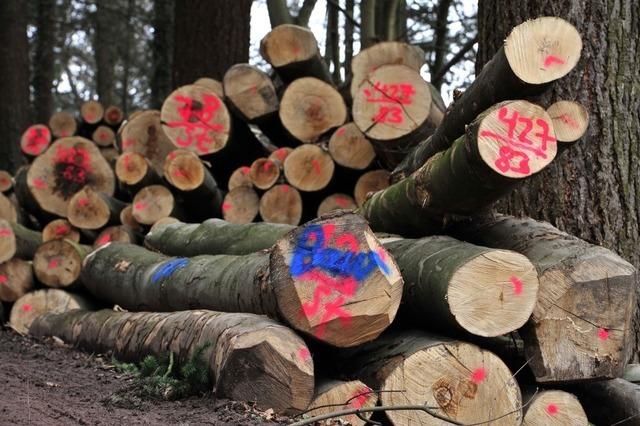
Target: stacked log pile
{"points": [[336, 251]]}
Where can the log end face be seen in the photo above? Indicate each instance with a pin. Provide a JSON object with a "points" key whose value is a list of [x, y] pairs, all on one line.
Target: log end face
{"points": [[241, 205], [87, 210], [309, 168], [57, 263], [8, 244], [131, 168], [555, 408], [350, 148], [184, 170], [60, 229], [287, 44], [570, 120], [35, 140], [152, 203], [32, 305], [281, 204], [352, 394]]}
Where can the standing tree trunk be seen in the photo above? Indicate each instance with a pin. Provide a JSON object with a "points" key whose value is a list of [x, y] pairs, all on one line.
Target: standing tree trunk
{"points": [[44, 60], [126, 54], [596, 186], [210, 36], [104, 45], [162, 51], [14, 84]]}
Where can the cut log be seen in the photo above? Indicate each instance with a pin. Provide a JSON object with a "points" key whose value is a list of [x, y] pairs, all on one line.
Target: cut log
{"points": [[458, 380], [336, 202], [249, 357], [553, 408], [35, 140], [240, 177], [581, 325], [111, 154], [16, 279], [309, 168], [115, 234], [211, 84], [349, 147], [65, 168], [293, 52], [6, 182], [60, 229], [17, 241], [128, 220], [570, 121], [611, 402], [58, 263], [144, 134], [385, 53], [536, 53], [251, 92], [281, 204], [264, 173], [396, 109], [103, 136], [194, 118], [8, 210], [370, 183], [63, 124], [241, 205], [480, 167], [329, 279], [336, 395], [135, 172], [91, 112], [161, 223], [153, 203], [113, 116], [32, 305], [454, 286], [89, 209], [281, 154], [310, 108]]}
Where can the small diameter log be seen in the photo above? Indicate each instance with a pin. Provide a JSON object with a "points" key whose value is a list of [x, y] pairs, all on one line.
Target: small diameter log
{"points": [[240, 177], [575, 333], [30, 306], [103, 136], [58, 263], [336, 395], [329, 279], [553, 408], [310, 108], [16, 279], [113, 116], [153, 203], [89, 209], [60, 229], [336, 202], [212, 85], [241, 205], [281, 204], [349, 147], [35, 140], [115, 234], [135, 172], [8, 210], [519, 69], [460, 381], [63, 124], [144, 134], [293, 52], [17, 241], [385, 53], [6, 181], [460, 286], [264, 173], [309, 168], [370, 183], [611, 402], [194, 118], [570, 121], [91, 112], [396, 109], [128, 220], [281, 154], [248, 357], [478, 169]]}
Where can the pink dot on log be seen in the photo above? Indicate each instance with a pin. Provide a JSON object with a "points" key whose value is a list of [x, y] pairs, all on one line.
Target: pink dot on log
{"points": [[304, 354], [39, 183], [316, 166], [26, 308], [253, 89], [226, 206], [128, 143], [245, 170], [3, 279], [5, 232], [53, 263], [341, 131], [478, 375], [140, 205], [552, 409], [266, 166], [4, 181], [83, 201], [342, 202], [603, 334], [104, 239], [61, 230], [517, 284], [359, 398], [284, 188], [281, 154], [551, 60]]}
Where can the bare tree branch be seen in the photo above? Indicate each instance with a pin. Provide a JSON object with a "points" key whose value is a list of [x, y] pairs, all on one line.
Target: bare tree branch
{"points": [[305, 12], [348, 15], [437, 77]]}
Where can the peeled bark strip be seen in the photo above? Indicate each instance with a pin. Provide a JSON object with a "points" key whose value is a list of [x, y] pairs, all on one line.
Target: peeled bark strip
{"points": [[581, 325], [91, 112], [611, 402], [194, 118], [330, 279], [66, 167], [35, 140], [458, 285], [115, 234], [113, 116], [241, 205], [211, 84], [369, 183], [6, 181], [281, 204], [293, 52], [153, 203], [16, 279], [349, 147], [144, 134], [554, 408], [17, 241], [62, 124], [89, 209], [264, 173], [309, 108], [32, 305], [478, 169], [135, 172], [464, 382], [536, 53], [240, 177], [351, 394], [336, 202], [103, 136], [570, 121], [60, 229], [385, 53], [58, 263], [309, 168], [396, 109], [250, 358]]}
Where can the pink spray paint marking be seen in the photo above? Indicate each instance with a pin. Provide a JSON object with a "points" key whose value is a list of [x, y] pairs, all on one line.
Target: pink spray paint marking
{"points": [[245, 170], [53, 263], [128, 143], [316, 166], [359, 398], [517, 285], [5, 232], [304, 354], [603, 334], [284, 188], [342, 202], [568, 120], [552, 60], [253, 89], [479, 375], [281, 154], [83, 201], [341, 131], [39, 183], [266, 166], [61, 230], [27, 308], [140, 205], [179, 173], [106, 238], [226, 207], [4, 279], [196, 121], [37, 140], [552, 409], [4, 181]]}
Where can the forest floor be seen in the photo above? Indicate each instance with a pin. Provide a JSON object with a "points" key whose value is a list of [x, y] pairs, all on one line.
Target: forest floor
{"points": [[49, 383]]}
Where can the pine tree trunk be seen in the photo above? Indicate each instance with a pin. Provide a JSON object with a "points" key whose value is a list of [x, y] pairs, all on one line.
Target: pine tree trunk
{"points": [[162, 52], [596, 186], [43, 71]]}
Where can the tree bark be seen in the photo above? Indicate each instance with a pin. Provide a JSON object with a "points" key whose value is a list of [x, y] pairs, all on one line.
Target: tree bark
{"points": [[611, 402], [43, 69], [162, 51], [105, 49]]}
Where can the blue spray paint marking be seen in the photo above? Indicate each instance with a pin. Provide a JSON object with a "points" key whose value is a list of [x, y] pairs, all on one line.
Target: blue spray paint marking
{"points": [[168, 268]]}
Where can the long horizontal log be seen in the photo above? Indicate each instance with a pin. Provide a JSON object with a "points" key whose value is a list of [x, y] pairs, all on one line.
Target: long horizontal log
{"points": [[519, 69], [330, 279], [249, 357]]}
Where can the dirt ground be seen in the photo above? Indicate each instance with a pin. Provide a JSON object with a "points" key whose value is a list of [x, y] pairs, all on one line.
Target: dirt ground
{"points": [[44, 383]]}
